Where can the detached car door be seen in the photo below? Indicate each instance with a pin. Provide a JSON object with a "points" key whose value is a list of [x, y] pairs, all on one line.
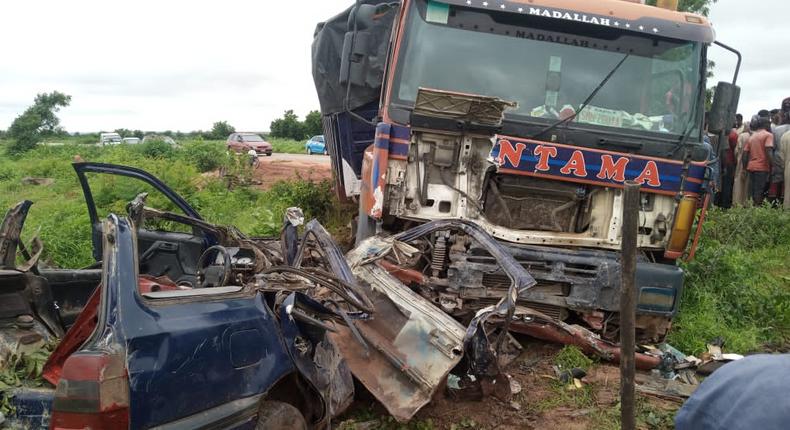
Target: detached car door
{"points": [[177, 359], [163, 251]]}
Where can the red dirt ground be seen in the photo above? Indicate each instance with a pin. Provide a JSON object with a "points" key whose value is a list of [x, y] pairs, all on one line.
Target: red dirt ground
{"points": [[274, 169], [536, 407]]}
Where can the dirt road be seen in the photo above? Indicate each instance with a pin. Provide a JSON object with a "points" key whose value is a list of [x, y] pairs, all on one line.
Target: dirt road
{"points": [[283, 167], [542, 404]]}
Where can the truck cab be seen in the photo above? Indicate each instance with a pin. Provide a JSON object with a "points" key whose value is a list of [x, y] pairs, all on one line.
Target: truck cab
{"points": [[526, 118]]}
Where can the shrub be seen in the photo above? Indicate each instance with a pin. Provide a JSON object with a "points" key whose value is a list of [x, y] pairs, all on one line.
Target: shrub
{"points": [[206, 156], [315, 199], [7, 172], [286, 146], [156, 149]]}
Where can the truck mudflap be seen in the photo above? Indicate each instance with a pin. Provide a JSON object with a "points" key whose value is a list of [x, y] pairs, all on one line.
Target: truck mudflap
{"points": [[410, 345]]}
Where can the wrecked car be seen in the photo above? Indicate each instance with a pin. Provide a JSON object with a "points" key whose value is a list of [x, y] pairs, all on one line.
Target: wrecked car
{"points": [[183, 323], [193, 327]]}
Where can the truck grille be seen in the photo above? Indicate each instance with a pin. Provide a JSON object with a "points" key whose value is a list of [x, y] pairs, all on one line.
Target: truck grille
{"points": [[497, 280]]}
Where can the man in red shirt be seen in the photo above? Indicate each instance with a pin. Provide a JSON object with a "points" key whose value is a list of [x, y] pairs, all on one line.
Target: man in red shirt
{"points": [[728, 167], [758, 157]]}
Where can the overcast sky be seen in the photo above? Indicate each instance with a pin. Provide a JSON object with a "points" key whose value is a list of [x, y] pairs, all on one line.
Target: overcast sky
{"points": [[182, 65], [759, 29]]}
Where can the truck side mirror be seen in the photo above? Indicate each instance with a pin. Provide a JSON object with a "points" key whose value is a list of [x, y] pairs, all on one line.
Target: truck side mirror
{"points": [[363, 15], [724, 107], [354, 60], [361, 42]]}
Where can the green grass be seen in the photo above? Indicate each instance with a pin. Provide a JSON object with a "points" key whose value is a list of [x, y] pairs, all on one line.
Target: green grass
{"points": [[367, 418], [570, 357], [280, 145], [600, 416], [59, 213], [738, 286], [286, 146]]}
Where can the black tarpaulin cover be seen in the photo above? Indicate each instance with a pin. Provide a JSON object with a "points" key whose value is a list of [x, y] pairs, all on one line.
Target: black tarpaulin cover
{"points": [[327, 50]]}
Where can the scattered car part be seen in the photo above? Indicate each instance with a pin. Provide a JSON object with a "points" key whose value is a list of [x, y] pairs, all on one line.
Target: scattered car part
{"points": [[415, 343]]}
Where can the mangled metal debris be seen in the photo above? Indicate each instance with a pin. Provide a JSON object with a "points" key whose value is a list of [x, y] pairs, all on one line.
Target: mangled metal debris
{"points": [[397, 312], [414, 342]]}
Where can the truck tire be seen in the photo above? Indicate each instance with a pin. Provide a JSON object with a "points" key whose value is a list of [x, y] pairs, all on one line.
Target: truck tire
{"points": [[274, 415]]}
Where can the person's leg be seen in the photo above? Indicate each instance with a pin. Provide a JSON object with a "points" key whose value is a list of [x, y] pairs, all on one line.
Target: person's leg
{"points": [[773, 192], [759, 182], [727, 179], [787, 184], [755, 190]]}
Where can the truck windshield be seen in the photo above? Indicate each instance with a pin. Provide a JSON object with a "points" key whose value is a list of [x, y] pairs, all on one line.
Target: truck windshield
{"points": [[549, 67]]}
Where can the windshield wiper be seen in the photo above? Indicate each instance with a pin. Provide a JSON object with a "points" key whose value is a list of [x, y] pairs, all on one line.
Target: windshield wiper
{"points": [[586, 101]]}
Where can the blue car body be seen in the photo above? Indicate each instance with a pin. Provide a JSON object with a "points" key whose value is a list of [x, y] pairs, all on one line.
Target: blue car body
{"points": [[192, 360], [315, 145]]}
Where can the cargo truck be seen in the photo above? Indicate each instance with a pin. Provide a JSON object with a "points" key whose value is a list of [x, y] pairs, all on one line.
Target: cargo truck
{"points": [[526, 118]]}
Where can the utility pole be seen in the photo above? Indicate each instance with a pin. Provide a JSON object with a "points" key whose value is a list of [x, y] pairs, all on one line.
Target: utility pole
{"points": [[628, 252]]}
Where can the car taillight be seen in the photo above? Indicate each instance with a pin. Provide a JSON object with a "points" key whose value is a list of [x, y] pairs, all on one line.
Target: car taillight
{"points": [[681, 228], [93, 393]]}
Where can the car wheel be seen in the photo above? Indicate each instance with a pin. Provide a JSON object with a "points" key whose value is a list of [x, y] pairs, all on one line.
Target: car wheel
{"points": [[269, 154], [309, 152], [326, 152], [273, 415]]}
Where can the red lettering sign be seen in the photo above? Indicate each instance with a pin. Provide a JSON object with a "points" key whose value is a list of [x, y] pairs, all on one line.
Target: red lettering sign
{"points": [[509, 153], [575, 164], [611, 169], [543, 153], [649, 175]]}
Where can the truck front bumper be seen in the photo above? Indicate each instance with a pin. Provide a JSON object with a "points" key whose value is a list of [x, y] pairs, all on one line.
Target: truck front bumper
{"points": [[574, 285]]}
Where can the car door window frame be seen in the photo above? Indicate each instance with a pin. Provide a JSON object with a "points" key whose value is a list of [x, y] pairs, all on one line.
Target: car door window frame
{"points": [[112, 169]]}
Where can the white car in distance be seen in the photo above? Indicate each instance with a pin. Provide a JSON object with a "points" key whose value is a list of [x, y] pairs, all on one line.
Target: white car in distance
{"points": [[110, 139]]}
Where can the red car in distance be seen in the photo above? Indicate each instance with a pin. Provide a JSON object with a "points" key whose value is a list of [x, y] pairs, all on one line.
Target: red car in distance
{"points": [[244, 142]]}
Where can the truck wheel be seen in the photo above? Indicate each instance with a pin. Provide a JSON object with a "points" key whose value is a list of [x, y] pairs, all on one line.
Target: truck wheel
{"points": [[273, 415]]}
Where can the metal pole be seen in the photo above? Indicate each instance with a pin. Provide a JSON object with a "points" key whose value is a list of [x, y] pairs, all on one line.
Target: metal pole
{"points": [[628, 304]]}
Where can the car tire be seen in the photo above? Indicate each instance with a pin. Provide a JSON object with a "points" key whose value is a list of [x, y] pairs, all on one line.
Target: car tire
{"points": [[309, 152], [274, 415], [269, 154], [326, 152]]}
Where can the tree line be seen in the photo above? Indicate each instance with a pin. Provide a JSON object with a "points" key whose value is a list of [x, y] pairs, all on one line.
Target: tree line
{"points": [[40, 122]]}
